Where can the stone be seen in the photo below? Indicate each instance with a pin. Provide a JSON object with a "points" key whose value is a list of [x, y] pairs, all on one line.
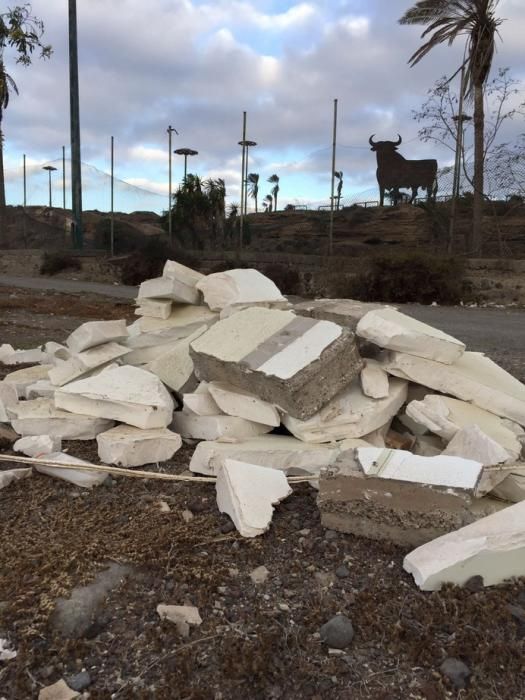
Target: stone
{"points": [[238, 402], [201, 403], [512, 488], [274, 451], [247, 493], [22, 378], [6, 654], [169, 288], [154, 308], [40, 417], [175, 270], [184, 617], [144, 355], [215, 427], [391, 329], [345, 312], [428, 446], [74, 616], [374, 380], [223, 289], [342, 571], [84, 479], [79, 681], [235, 308], [58, 691], [350, 414], [296, 363], [21, 357], [7, 477], [6, 350], [259, 575], [445, 416], [94, 333], [56, 352], [472, 443], [175, 367], [38, 445], [457, 672], [472, 378], [86, 361], [184, 318], [43, 388], [337, 633], [132, 447], [493, 547], [127, 394], [8, 398]]}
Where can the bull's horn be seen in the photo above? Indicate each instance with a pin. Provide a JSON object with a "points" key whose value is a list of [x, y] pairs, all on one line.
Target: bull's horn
{"points": [[399, 140], [371, 140]]}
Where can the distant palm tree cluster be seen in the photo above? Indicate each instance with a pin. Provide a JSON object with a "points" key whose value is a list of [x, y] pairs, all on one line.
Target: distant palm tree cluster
{"points": [[270, 200]]}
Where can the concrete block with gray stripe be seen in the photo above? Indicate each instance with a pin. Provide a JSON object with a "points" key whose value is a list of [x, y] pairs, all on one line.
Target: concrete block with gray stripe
{"points": [[295, 363]]}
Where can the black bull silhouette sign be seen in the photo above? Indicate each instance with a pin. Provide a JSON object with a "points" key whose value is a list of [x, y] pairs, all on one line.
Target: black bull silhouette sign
{"points": [[395, 172]]}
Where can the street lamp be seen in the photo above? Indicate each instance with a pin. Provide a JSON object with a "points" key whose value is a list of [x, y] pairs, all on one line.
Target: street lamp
{"points": [[246, 144], [49, 169], [170, 130], [186, 152]]}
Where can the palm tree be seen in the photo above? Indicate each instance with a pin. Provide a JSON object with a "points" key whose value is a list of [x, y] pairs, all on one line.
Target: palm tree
{"points": [[267, 203], [7, 84], [253, 180], [475, 19], [274, 179], [339, 175], [216, 193]]}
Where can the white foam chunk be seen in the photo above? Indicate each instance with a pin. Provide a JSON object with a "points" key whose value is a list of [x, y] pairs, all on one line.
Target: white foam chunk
{"points": [[472, 443], [7, 477], [493, 548], [38, 445], [215, 427], [8, 398], [452, 472], [222, 289], [127, 394], [271, 451], [374, 380], [472, 378], [84, 479], [132, 447], [40, 417], [169, 288], [391, 329], [350, 414], [93, 333], [247, 493], [175, 366], [154, 308], [86, 361], [237, 402]]}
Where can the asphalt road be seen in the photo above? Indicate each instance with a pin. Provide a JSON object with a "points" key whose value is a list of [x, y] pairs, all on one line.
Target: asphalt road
{"points": [[69, 286]]}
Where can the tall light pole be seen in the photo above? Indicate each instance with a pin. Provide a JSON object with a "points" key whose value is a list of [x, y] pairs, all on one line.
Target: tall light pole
{"points": [[186, 152], [243, 161], [459, 119], [49, 169], [76, 169], [63, 177], [247, 145], [334, 143], [170, 130]]}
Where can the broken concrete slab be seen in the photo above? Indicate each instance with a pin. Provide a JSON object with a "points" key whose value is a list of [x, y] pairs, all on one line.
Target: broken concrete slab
{"points": [[247, 493], [127, 394], [21, 357], [94, 333], [350, 414], [184, 617], [272, 451], [472, 378], [58, 691], [154, 308], [56, 352], [83, 479], [43, 388], [345, 312], [215, 427], [201, 402], [41, 417], [222, 289], [296, 363], [8, 398], [374, 380], [512, 488], [183, 273], [391, 329], [472, 443], [428, 446], [86, 361], [235, 308], [169, 288], [237, 402], [175, 366], [493, 548], [6, 350], [445, 416], [183, 318], [38, 445], [22, 378], [132, 447], [7, 477]]}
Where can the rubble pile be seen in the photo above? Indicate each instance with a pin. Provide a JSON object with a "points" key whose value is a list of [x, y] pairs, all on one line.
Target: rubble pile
{"points": [[407, 436]]}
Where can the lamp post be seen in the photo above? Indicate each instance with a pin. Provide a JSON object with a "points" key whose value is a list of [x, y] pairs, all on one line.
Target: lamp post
{"points": [[49, 169], [170, 130], [246, 144], [186, 152]]}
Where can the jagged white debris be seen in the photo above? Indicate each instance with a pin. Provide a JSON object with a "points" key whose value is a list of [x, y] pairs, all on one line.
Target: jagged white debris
{"points": [[350, 414], [223, 289], [452, 472], [86, 361], [215, 427], [93, 333], [512, 488], [8, 398], [374, 380], [38, 445], [58, 691], [41, 417], [56, 352], [175, 366], [84, 479], [6, 654], [42, 388], [472, 378], [132, 447], [472, 443], [493, 548], [10, 475], [271, 451], [233, 309], [169, 288], [445, 416], [154, 308], [20, 357], [201, 402], [178, 271], [184, 318], [238, 402], [183, 616], [247, 493], [6, 350], [22, 378], [391, 329]]}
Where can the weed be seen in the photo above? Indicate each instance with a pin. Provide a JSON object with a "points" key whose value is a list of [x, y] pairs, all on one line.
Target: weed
{"points": [[52, 263]]}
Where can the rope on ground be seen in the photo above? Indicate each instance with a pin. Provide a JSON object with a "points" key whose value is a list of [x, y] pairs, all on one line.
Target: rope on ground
{"points": [[134, 473]]}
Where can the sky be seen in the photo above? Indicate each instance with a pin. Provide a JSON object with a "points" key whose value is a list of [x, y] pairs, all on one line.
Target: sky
{"points": [[198, 64]]}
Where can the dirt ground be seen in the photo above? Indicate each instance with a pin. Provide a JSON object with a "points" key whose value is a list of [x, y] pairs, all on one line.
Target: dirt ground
{"points": [[255, 641]]}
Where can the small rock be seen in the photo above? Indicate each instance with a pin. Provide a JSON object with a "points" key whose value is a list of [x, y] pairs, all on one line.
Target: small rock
{"points": [[58, 691], [475, 584], [456, 671], [80, 681], [233, 572], [227, 526], [342, 572], [305, 532], [331, 535], [164, 507], [182, 615], [259, 575], [187, 515], [338, 632]]}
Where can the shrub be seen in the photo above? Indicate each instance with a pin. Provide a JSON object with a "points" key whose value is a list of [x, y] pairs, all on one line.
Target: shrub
{"points": [[286, 277], [57, 262], [410, 277], [148, 260]]}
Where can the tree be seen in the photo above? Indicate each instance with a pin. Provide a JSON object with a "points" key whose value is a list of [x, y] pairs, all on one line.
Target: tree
{"points": [[267, 203], [446, 20], [253, 180], [339, 175], [216, 193], [274, 179], [23, 33]]}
